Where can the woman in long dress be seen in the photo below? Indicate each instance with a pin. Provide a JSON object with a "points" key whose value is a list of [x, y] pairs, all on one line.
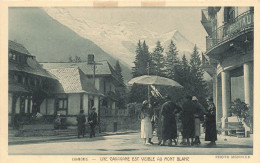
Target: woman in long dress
{"points": [[210, 131], [146, 125], [168, 126]]}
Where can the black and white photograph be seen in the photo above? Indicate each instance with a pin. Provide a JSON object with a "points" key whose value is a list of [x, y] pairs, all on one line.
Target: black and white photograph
{"points": [[173, 80]]}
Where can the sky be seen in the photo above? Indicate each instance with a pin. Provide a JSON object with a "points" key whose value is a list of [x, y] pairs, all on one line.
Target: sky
{"points": [[162, 20]]}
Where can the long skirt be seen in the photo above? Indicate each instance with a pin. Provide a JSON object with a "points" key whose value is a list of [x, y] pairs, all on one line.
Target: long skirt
{"points": [[211, 131], [168, 128], [197, 127], [146, 128], [188, 127]]}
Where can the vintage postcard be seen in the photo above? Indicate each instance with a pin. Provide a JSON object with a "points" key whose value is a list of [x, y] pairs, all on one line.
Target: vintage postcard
{"points": [[129, 81]]}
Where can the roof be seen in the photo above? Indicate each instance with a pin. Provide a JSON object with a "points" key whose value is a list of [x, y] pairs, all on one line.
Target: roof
{"points": [[72, 80], [102, 68], [18, 47], [31, 67], [12, 87]]}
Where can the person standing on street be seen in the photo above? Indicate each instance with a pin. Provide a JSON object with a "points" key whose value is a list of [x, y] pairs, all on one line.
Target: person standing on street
{"points": [[188, 120], [92, 120], [210, 123], [199, 111], [168, 122], [81, 123], [146, 124]]}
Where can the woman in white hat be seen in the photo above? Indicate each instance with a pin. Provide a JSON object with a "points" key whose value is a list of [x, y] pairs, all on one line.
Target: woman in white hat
{"points": [[146, 125], [199, 110]]}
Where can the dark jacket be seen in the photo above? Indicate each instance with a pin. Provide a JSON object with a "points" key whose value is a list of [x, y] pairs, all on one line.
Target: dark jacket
{"points": [[92, 118]]}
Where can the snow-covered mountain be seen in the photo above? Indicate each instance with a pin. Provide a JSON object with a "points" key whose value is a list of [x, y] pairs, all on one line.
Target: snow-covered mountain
{"points": [[120, 39]]}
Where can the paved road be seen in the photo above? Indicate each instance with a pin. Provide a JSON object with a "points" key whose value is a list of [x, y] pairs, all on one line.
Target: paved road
{"points": [[131, 144]]}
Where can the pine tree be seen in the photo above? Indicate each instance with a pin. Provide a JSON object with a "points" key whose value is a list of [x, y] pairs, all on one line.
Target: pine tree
{"points": [[199, 88], [118, 71], [120, 91], [172, 62], [138, 93], [158, 62], [141, 59]]}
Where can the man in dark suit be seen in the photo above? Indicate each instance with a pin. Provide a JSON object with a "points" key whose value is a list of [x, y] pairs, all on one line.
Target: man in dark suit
{"points": [[81, 123], [92, 120]]}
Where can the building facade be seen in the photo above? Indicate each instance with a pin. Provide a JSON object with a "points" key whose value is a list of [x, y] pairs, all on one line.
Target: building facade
{"points": [[110, 116], [27, 84], [72, 93], [229, 46]]}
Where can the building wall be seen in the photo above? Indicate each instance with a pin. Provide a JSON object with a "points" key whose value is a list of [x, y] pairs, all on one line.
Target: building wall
{"points": [[10, 100], [220, 14], [97, 83], [96, 103], [234, 62], [43, 107], [85, 103], [237, 88], [73, 104], [50, 106]]}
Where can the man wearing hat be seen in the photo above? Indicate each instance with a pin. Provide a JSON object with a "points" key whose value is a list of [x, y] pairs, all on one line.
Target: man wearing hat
{"points": [[81, 119], [92, 120]]}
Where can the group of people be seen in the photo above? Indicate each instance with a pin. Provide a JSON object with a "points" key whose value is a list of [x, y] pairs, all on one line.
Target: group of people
{"points": [[81, 120], [182, 118], [92, 121]]}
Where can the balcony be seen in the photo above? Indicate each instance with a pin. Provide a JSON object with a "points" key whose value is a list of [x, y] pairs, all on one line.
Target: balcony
{"points": [[242, 24]]}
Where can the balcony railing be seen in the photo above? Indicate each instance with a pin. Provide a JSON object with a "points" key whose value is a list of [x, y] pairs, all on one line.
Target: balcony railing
{"points": [[232, 28]]}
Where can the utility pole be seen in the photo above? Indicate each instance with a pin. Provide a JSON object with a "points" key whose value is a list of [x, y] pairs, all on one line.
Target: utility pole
{"points": [[91, 60]]}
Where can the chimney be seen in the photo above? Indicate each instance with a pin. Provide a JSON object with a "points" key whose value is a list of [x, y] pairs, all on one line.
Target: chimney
{"points": [[91, 59]]}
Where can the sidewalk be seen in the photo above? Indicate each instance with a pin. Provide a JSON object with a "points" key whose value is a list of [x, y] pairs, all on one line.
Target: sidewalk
{"points": [[12, 140]]}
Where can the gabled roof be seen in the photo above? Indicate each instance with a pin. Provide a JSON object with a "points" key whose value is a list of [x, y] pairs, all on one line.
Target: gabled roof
{"points": [[18, 47], [102, 68], [31, 67], [73, 80]]}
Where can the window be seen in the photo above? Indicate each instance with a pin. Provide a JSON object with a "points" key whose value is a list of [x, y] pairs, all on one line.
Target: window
{"points": [[62, 106], [22, 104]]}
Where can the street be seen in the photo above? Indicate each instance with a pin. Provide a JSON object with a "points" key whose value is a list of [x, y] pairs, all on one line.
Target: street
{"points": [[132, 144]]}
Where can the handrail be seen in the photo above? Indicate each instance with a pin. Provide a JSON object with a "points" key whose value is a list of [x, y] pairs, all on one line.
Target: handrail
{"points": [[228, 30]]}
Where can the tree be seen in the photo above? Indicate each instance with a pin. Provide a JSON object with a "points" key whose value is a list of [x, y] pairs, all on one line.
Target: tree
{"points": [[199, 88], [158, 62], [140, 62], [118, 71], [138, 93], [172, 62], [120, 91]]}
